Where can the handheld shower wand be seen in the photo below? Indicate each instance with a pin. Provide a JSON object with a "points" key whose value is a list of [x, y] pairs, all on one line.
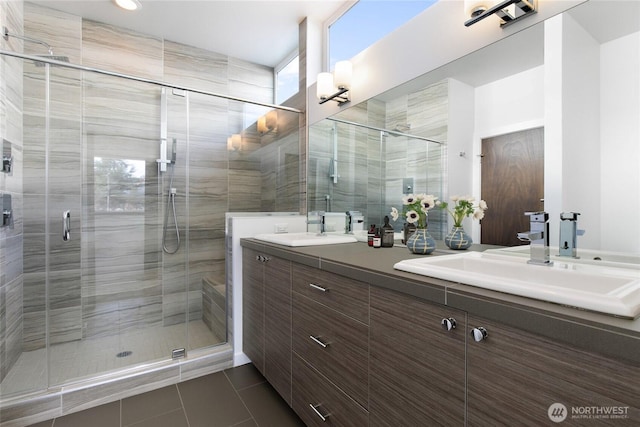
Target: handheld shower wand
{"points": [[171, 205]]}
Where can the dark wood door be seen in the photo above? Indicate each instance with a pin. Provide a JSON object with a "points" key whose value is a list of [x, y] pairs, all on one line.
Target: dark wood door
{"points": [[512, 184]]}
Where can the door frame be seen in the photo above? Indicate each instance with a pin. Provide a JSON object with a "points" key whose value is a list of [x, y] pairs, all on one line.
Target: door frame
{"points": [[490, 132]]}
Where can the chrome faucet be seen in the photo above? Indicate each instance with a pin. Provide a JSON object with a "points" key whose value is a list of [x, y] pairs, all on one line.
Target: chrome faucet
{"points": [[352, 217], [538, 235], [320, 221], [568, 234]]}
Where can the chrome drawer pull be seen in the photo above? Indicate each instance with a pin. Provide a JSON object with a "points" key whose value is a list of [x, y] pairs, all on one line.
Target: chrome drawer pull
{"points": [[317, 341], [315, 409], [319, 288]]}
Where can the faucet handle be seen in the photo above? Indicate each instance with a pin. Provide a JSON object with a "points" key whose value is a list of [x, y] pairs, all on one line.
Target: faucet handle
{"points": [[569, 216], [538, 216]]}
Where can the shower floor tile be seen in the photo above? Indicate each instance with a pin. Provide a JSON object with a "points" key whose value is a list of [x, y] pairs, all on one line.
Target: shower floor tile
{"points": [[238, 397], [76, 360]]}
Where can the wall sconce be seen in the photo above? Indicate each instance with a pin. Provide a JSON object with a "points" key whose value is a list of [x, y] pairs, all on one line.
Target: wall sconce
{"points": [[234, 142], [508, 11], [335, 86], [268, 122]]}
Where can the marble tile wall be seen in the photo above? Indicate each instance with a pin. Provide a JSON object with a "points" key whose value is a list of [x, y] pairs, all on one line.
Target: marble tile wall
{"points": [[371, 167], [11, 238], [43, 225], [426, 111], [111, 277]]}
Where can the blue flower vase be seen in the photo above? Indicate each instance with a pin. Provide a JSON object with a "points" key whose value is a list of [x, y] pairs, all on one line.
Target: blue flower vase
{"points": [[458, 239], [421, 242]]}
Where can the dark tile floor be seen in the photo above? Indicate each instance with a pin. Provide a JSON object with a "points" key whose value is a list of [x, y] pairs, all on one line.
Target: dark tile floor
{"points": [[238, 397]]}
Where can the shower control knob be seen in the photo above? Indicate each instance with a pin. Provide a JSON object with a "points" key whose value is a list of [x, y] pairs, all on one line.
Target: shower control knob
{"points": [[448, 324], [479, 333]]}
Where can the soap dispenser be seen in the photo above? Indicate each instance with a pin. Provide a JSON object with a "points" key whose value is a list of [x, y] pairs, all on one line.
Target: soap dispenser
{"points": [[387, 234]]}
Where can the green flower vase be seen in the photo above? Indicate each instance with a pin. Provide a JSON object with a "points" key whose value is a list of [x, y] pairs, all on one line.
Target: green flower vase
{"points": [[421, 242], [457, 239]]}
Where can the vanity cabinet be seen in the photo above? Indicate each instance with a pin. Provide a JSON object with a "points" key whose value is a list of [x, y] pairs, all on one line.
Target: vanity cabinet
{"points": [[513, 377], [417, 366], [343, 353], [267, 317], [331, 347]]}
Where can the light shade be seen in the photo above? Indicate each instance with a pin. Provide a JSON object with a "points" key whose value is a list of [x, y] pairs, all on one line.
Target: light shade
{"points": [[325, 88], [128, 4], [262, 124], [234, 142], [473, 8], [342, 75], [272, 120]]}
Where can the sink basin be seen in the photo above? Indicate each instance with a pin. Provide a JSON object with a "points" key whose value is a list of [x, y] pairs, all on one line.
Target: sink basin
{"points": [[306, 239], [609, 290], [586, 256]]}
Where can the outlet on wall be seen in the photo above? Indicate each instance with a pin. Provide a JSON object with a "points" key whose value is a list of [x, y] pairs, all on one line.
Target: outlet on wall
{"points": [[281, 227]]}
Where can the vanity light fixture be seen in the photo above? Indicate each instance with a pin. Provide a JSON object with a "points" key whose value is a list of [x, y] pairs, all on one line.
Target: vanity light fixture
{"points": [[508, 11], [268, 122], [128, 4], [335, 86]]}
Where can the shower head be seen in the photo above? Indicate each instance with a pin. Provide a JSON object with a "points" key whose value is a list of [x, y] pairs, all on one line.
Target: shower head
{"points": [[50, 55], [402, 128]]}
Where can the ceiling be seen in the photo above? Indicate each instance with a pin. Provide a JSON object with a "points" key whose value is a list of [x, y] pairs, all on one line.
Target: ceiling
{"points": [[259, 31]]}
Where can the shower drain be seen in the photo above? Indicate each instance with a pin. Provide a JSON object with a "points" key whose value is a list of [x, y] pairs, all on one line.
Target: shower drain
{"points": [[124, 353]]}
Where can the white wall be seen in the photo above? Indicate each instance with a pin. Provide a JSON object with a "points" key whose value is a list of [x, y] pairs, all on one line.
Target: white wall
{"points": [[592, 134], [620, 144], [460, 155]]}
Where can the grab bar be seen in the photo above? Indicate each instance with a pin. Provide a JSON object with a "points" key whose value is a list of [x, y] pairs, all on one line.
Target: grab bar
{"points": [[66, 225]]}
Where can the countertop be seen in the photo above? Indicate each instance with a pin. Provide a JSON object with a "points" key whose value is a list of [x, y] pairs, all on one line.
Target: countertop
{"points": [[604, 334]]}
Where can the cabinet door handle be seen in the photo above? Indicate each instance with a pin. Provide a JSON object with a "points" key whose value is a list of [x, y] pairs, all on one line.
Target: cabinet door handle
{"points": [[262, 258], [317, 341], [479, 333], [448, 324], [318, 287], [315, 409]]}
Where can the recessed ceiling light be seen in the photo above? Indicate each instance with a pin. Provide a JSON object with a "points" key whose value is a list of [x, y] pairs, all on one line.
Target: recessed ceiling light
{"points": [[129, 4]]}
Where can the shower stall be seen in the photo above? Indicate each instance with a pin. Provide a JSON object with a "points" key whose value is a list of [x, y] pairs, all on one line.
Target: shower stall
{"points": [[113, 260]]}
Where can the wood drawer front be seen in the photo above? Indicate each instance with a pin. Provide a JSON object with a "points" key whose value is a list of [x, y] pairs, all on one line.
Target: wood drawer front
{"points": [[253, 309], [514, 376], [417, 369], [277, 325], [345, 295], [311, 388], [344, 361]]}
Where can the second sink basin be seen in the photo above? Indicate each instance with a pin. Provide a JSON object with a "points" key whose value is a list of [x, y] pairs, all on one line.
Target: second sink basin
{"points": [[586, 256], [614, 291], [306, 239]]}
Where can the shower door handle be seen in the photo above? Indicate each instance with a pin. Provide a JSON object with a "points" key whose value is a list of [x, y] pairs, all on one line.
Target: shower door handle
{"points": [[66, 225]]}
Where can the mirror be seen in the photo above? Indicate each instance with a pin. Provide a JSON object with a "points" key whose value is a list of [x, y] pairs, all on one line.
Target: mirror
{"points": [[574, 75]]}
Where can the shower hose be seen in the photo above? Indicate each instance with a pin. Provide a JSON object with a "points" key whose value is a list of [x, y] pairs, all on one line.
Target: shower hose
{"points": [[171, 205]]}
